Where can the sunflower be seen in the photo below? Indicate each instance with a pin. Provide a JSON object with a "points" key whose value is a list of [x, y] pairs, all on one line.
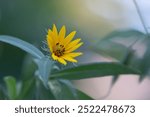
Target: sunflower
{"points": [[61, 46]]}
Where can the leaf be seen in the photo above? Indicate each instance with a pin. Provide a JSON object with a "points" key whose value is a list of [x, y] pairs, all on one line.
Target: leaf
{"points": [[11, 87], [44, 69], [124, 34], [140, 58], [29, 48], [44, 93], [64, 90], [117, 43], [61, 91], [34, 89], [2, 94], [93, 70], [28, 68], [83, 96], [43, 63], [27, 89], [125, 61]]}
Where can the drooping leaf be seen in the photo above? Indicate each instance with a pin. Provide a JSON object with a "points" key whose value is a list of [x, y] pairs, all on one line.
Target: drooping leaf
{"points": [[93, 70], [44, 69], [125, 61], [11, 87], [124, 34], [140, 58], [44, 64], [117, 43], [29, 48], [64, 90]]}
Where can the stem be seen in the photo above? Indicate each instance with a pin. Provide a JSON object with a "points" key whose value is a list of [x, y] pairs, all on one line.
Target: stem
{"points": [[140, 16]]}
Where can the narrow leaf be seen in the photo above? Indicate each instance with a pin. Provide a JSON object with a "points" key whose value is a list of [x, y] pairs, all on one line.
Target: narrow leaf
{"points": [[93, 70], [44, 69], [2, 93], [29, 48], [11, 86], [117, 43], [82, 96], [27, 89]]}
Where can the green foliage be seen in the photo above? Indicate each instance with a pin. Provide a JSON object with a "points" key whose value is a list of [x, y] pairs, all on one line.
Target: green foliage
{"points": [[53, 83], [118, 43], [2, 94], [142, 63], [131, 47], [44, 69], [40, 77], [29, 48], [93, 70], [43, 63], [64, 89], [27, 89], [11, 87]]}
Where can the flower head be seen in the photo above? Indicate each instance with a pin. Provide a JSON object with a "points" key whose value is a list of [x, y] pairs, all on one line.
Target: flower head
{"points": [[61, 46]]}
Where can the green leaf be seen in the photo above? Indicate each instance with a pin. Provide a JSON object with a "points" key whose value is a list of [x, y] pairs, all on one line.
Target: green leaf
{"points": [[93, 70], [125, 61], [124, 34], [28, 68], [29, 48], [65, 90], [61, 91], [2, 94], [44, 69], [140, 58], [43, 93], [117, 43], [27, 89], [83, 96], [44, 64], [11, 87]]}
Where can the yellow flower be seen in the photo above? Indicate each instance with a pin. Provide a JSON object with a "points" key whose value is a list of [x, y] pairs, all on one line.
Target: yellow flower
{"points": [[61, 46]]}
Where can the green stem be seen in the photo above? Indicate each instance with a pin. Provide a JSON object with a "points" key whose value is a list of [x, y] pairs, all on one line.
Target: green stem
{"points": [[140, 16]]}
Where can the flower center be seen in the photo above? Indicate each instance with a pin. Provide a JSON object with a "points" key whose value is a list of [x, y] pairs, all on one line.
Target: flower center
{"points": [[59, 50]]}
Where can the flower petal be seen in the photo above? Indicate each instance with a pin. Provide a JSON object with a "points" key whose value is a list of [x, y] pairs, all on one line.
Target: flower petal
{"points": [[50, 41], [69, 38], [53, 36], [62, 33], [54, 57], [55, 29], [72, 44], [59, 59], [68, 58], [74, 48], [74, 54]]}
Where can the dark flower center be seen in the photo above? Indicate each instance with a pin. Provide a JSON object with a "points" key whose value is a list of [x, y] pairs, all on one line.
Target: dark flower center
{"points": [[59, 50]]}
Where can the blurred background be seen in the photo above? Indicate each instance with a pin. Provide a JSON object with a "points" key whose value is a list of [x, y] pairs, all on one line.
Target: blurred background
{"points": [[109, 28]]}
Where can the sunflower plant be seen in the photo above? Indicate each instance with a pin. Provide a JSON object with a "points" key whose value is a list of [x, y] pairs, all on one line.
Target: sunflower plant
{"points": [[50, 81]]}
